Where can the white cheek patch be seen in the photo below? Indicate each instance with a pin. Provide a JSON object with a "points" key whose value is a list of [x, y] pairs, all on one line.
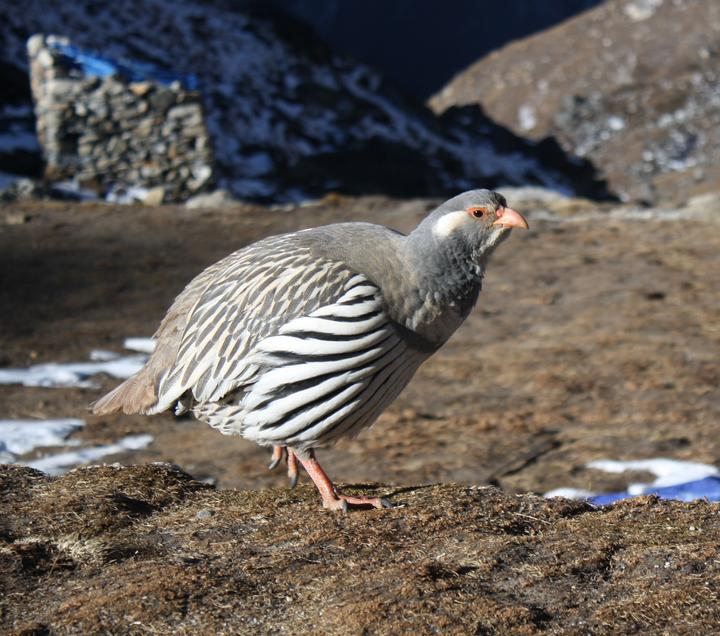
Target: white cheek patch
{"points": [[449, 222]]}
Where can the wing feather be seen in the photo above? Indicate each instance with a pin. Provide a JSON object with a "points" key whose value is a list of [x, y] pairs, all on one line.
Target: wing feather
{"points": [[249, 300]]}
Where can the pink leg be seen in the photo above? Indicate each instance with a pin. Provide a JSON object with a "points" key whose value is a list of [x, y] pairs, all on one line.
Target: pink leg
{"points": [[292, 464], [277, 455], [292, 468], [332, 500]]}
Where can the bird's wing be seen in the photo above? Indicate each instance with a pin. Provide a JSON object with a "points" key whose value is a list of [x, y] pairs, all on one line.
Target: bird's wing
{"points": [[258, 291], [324, 374]]}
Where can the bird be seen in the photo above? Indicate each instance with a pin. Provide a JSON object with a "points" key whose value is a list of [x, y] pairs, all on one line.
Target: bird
{"points": [[300, 339]]}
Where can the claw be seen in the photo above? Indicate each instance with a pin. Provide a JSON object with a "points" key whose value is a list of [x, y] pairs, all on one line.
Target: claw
{"points": [[277, 456], [292, 468], [338, 504], [283, 452]]}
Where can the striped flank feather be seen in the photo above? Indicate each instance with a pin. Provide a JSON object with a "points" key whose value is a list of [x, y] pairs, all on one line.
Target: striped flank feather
{"points": [[326, 374]]}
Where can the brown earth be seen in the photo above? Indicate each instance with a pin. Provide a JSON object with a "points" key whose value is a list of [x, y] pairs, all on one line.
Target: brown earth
{"points": [[631, 85], [146, 549], [596, 337]]}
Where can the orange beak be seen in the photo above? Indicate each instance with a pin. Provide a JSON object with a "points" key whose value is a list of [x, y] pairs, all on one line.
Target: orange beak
{"points": [[507, 217]]}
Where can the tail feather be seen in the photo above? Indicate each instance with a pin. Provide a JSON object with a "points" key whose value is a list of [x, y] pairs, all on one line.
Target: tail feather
{"points": [[139, 393], [135, 395]]}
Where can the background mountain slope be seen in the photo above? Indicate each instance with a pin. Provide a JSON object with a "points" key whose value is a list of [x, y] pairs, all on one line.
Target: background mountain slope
{"points": [[288, 118], [632, 85]]}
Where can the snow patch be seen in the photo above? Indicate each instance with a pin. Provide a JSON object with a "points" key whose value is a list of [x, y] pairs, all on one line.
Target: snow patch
{"points": [[18, 437], [569, 493], [526, 117], [640, 10], [615, 123], [668, 472], [62, 462], [674, 479], [78, 374], [72, 374], [127, 195], [74, 190], [142, 345]]}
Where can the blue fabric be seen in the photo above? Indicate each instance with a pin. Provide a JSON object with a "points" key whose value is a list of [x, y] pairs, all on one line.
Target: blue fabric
{"points": [[91, 63], [708, 488]]}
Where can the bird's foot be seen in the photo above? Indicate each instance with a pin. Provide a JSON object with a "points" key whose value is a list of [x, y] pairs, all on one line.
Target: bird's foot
{"points": [[280, 452], [331, 499]]}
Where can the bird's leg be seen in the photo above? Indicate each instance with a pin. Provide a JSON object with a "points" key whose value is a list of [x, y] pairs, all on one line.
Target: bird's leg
{"points": [[292, 463], [292, 468], [277, 455], [332, 499]]}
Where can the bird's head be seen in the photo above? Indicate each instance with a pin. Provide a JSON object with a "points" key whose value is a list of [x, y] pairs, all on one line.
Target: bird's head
{"points": [[477, 219]]}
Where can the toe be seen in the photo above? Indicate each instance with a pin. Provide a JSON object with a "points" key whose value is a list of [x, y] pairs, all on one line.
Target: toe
{"points": [[293, 479], [277, 456], [335, 505]]}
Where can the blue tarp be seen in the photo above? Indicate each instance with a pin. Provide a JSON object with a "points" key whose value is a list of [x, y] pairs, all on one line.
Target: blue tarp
{"points": [[94, 64], [708, 488]]}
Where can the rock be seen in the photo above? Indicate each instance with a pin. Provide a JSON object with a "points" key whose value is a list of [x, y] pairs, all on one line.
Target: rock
{"points": [[201, 176], [154, 196], [114, 135], [185, 111], [23, 189], [16, 218], [708, 203], [140, 89], [215, 199], [34, 44], [531, 195]]}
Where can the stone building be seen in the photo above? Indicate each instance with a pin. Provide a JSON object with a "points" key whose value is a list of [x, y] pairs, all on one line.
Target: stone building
{"points": [[118, 126]]}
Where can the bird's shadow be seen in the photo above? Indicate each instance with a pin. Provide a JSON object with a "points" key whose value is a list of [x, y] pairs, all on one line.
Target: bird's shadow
{"points": [[391, 494]]}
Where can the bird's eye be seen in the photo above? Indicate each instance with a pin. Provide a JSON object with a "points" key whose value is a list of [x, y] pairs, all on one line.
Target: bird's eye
{"points": [[478, 213]]}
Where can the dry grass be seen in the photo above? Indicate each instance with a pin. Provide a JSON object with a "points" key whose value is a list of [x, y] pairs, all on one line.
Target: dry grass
{"points": [[124, 550]]}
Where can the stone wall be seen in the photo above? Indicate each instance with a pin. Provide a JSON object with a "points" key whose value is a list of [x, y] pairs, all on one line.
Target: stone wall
{"points": [[113, 134]]}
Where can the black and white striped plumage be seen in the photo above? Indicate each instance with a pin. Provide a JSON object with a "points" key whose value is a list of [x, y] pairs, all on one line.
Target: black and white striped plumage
{"points": [[303, 338]]}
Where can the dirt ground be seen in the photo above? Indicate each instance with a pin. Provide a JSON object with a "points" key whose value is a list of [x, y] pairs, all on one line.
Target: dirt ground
{"points": [[596, 336], [146, 549], [592, 339]]}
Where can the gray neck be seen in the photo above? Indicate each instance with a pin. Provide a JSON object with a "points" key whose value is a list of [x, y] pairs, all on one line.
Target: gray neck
{"points": [[452, 270]]}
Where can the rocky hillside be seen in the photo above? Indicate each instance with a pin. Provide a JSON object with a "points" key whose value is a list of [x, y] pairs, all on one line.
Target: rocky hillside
{"points": [[147, 549], [631, 85], [287, 117]]}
